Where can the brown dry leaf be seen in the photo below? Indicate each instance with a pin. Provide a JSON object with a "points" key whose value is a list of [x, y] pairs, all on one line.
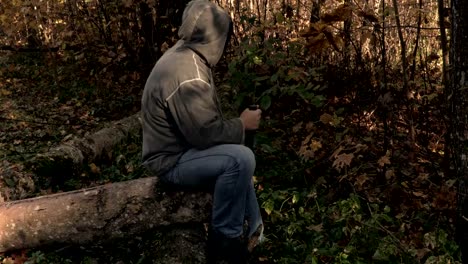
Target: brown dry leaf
{"points": [[389, 174], [306, 153], [307, 139], [423, 177], [17, 258], [316, 228], [127, 3], [318, 43], [315, 145], [359, 147], [297, 127], [384, 160], [130, 168], [309, 126], [164, 47], [4, 92], [94, 169], [335, 41], [336, 152], [341, 13], [365, 37], [422, 252], [326, 119], [315, 29], [343, 160], [368, 15], [361, 179], [419, 194]]}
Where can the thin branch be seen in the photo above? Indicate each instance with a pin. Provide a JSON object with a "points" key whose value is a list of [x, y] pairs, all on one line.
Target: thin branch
{"points": [[16, 120]]}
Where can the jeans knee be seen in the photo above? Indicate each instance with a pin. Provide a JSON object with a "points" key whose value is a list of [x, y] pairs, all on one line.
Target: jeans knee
{"points": [[246, 159], [241, 159]]}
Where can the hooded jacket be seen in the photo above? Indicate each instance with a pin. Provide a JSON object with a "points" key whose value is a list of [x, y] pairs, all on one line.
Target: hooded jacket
{"points": [[179, 104]]}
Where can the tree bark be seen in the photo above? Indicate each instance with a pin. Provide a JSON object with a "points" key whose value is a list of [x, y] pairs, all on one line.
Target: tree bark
{"points": [[418, 35], [458, 101], [347, 24], [403, 47], [149, 53], [69, 157], [97, 214], [315, 13], [445, 80]]}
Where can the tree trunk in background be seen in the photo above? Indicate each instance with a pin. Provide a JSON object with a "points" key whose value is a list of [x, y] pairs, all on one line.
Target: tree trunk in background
{"points": [[159, 30], [148, 31], [407, 94], [458, 113], [445, 80], [315, 14], [384, 88], [347, 38], [403, 47], [418, 35]]}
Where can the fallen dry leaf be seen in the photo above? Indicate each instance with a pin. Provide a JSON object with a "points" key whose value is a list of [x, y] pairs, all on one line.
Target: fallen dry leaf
{"points": [[316, 228], [384, 160], [343, 160]]}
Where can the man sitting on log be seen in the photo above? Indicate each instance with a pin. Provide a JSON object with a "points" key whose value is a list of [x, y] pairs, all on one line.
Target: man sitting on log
{"points": [[186, 140]]}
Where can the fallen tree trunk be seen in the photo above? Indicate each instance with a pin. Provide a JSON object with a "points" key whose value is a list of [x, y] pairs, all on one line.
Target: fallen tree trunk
{"points": [[69, 157], [97, 214]]}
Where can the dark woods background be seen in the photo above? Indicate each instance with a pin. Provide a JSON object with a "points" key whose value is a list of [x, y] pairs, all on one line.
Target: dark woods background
{"points": [[354, 160]]}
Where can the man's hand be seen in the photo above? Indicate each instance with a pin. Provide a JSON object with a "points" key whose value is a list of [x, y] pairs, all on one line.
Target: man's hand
{"points": [[251, 118]]}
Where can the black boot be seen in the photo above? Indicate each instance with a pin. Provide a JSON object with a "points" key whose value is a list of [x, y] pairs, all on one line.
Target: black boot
{"points": [[221, 248]]}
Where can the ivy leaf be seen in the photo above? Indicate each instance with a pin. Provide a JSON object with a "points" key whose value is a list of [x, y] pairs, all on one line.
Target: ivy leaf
{"points": [[10, 182], [317, 100], [269, 206], [274, 78], [265, 102], [295, 198]]}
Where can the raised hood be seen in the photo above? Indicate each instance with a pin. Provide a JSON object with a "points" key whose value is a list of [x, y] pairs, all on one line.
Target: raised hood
{"points": [[205, 29]]}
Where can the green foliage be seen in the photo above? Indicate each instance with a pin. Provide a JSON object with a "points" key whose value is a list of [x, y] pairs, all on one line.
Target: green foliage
{"points": [[324, 220], [265, 70], [39, 257], [127, 162], [304, 227], [124, 164]]}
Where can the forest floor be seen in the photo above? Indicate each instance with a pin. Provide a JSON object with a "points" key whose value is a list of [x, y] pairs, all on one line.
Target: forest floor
{"points": [[328, 190]]}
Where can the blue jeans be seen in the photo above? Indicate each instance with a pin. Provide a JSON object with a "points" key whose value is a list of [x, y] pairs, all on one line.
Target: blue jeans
{"points": [[228, 169]]}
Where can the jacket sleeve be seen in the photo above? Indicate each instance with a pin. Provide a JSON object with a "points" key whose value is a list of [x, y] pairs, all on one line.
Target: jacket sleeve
{"points": [[198, 118]]}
